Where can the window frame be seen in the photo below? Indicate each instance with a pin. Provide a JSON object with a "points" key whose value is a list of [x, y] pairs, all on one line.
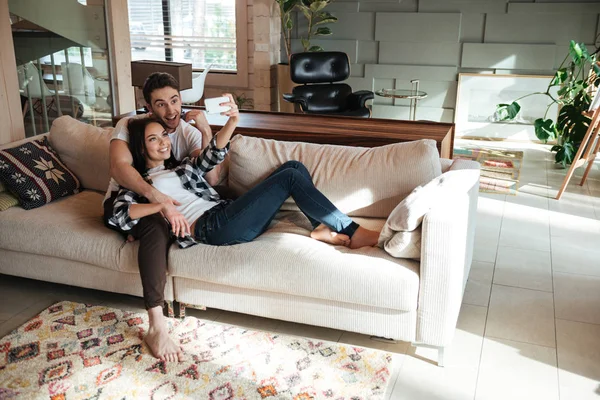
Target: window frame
{"points": [[240, 77]]}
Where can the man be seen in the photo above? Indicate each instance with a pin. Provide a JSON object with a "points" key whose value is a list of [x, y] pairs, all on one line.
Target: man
{"points": [[161, 93]]}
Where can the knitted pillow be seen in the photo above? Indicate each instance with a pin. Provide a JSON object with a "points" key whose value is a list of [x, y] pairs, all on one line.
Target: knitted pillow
{"points": [[34, 173]]}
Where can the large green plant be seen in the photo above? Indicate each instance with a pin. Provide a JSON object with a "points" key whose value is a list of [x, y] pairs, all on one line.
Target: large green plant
{"points": [[314, 12], [569, 89], [287, 22]]}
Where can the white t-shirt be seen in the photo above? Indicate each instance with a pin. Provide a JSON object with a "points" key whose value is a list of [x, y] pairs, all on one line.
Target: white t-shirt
{"points": [[167, 181], [184, 141]]}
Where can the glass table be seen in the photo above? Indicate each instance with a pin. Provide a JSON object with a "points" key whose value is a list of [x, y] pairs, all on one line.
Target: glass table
{"points": [[414, 95]]}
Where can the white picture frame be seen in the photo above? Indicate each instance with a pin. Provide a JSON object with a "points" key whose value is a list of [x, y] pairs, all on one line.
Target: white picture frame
{"points": [[479, 94]]}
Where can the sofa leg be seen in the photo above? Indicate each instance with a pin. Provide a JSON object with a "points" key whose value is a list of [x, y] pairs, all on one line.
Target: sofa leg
{"points": [[441, 352], [441, 356], [181, 310], [168, 309]]}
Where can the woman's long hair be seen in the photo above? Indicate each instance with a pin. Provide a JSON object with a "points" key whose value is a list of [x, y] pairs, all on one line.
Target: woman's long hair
{"points": [[137, 144]]}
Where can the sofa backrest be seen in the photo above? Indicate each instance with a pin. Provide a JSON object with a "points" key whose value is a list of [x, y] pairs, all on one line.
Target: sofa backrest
{"points": [[84, 150], [362, 182]]}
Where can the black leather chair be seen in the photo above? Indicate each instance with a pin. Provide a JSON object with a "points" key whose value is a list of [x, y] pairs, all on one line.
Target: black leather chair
{"points": [[316, 73]]}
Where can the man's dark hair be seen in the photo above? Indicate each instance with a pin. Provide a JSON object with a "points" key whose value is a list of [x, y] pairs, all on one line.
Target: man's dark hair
{"points": [[137, 144], [158, 80]]}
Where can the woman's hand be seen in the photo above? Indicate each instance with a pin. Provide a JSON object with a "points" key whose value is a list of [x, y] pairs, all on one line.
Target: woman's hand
{"points": [[233, 111], [179, 225], [199, 119], [234, 115]]}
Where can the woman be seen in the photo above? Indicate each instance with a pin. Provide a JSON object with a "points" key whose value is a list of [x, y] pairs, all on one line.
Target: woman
{"points": [[213, 220], [216, 221]]}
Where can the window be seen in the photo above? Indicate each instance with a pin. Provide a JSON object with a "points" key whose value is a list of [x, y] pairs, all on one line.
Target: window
{"points": [[200, 32]]}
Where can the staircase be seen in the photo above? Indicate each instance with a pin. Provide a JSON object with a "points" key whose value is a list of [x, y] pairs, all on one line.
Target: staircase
{"points": [[82, 25]]}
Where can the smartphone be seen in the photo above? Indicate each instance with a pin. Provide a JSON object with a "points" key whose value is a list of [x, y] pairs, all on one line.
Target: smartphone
{"points": [[213, 105]]}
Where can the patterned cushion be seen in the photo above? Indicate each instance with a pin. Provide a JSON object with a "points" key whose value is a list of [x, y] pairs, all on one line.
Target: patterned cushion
{"points": [[35, 174]]}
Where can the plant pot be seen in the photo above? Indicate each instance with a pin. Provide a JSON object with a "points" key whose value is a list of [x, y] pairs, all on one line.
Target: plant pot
{"points": [[284, 85]]}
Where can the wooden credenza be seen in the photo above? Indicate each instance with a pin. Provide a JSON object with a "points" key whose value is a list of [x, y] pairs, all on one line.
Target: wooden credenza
{"points": [[348, 131]]}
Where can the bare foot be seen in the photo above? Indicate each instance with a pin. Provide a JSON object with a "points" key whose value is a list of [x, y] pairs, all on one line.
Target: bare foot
{"points": [[157, 338], [162, 346], [325, 234], [363, 237]]}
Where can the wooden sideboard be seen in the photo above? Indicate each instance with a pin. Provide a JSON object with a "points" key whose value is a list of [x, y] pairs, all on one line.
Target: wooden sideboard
{"points": [[324, 129]]}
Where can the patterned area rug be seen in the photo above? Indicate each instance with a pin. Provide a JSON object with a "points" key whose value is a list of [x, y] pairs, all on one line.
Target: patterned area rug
{"points": [[500, 168], [79, 351]]}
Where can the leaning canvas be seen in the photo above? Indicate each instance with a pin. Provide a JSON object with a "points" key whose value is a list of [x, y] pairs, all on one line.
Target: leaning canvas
{"points": [[479, 94]]}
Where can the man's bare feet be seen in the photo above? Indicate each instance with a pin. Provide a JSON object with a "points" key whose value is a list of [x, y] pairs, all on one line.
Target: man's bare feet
{"points": [[157, 338], [363, 237], [325, 234]]}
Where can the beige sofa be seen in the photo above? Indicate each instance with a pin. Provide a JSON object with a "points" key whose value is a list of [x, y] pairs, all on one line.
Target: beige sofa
{"points": [[283, 274]]}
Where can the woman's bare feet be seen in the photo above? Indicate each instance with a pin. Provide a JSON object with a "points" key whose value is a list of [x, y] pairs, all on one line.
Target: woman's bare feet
{"points": [[325, 234], [157, 338], [363, 237]]}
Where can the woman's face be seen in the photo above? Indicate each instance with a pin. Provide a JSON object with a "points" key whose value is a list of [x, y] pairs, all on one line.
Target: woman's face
{"points": [[157, 143]]}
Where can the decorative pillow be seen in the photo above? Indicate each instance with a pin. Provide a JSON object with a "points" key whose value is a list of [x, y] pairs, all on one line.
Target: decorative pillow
{"points": [[401, 234], [7, 201], [83, 148], [361, 182], [34, 173]]}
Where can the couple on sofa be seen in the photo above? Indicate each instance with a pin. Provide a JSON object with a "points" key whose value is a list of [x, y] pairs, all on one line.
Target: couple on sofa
{"points": [[162, 172]]}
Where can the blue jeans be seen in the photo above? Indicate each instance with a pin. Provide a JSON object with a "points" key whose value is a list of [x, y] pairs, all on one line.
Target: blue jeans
{"points": [[247, 217]]}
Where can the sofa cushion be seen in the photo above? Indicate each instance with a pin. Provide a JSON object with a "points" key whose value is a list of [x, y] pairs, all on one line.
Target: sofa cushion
{"points": [[84, 149], [70, 228], [35, 173], [280, 261], [401, 234], [366, 182], [7, 200]]}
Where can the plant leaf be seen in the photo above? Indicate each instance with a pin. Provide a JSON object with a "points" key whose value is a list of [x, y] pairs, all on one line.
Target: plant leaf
{"points": [[544, 129], [560, 77], [316, 48], [329, 20], [323, 31], [305, 44], [318, 6], [507, 112]]}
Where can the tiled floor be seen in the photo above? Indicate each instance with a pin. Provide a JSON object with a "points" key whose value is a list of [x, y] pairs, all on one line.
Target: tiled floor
{"points": [[529, 327]]}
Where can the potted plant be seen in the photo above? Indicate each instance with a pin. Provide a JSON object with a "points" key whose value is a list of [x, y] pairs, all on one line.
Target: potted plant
{"points": [[315, 16], [569, 88], [284, 81]]}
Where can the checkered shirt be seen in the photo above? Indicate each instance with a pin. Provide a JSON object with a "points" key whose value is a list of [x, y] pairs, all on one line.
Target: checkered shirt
{"points": [[191, 172]]}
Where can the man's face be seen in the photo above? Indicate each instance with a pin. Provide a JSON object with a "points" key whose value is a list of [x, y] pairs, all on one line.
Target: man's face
{"points": [[166, 105]]}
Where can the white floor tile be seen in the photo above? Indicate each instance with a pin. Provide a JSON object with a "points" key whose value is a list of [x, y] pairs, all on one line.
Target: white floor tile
{"points": [[422, 379], [576, 255], [485, 250], [479, 285], [529, 269], [578, 346], [522, 315], [515, 370], [577, 297], [525, 227]]}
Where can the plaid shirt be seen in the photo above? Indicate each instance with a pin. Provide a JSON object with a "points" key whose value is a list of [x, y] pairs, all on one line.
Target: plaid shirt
{"points": [[191, 172]]}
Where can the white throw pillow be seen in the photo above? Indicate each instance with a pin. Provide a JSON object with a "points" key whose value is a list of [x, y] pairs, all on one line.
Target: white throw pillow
{"points": [[361, 182], [401, 234]]}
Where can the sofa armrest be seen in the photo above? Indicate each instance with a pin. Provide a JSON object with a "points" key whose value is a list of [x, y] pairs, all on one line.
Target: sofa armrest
{"points": [[448, 233], [359, 99]]}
